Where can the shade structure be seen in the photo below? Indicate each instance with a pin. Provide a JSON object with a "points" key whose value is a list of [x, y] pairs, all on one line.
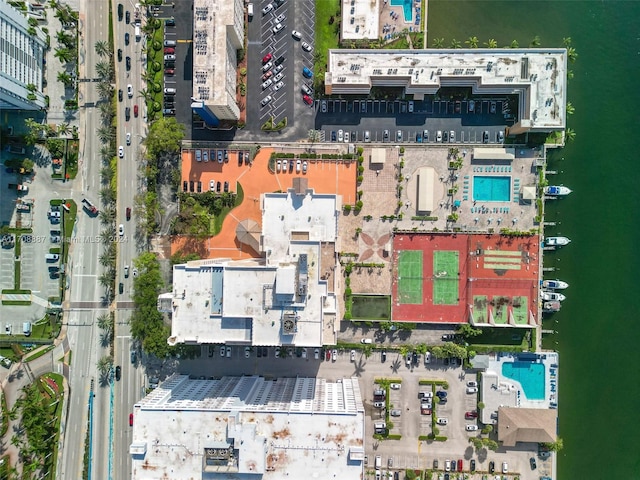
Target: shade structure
{"points": [[529, 193], [248, 233]]}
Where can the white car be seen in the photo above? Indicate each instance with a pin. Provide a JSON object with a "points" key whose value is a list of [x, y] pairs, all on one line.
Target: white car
{"points": [[472, 389], [205, 155], [442, 421], [340, 135], [265, 100], [126, 271], [306, 47], [121, 151], [471, 428], [346, 137], [472, 383], [447, 465], [278, 69], [228, 352], [395, 386], [439, 136], [316, 354], [298, 166], [410, 107], [278, 166], [334, 355], [304, 353], [278, 77], [267, 9], [367, 136], [296, 34], [128, 139], [277, 28], [212, 185], [378, 404], [267, 66], [130, 91], [304, 167], [452, 136], [280, 18], [267, 83], [353, 355], [121, 230], [505, 467], [247, 352], [278, 86]]}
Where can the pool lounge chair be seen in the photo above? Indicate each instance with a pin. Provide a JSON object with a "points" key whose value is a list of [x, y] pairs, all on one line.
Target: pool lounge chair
{"points": [[464, 197]]}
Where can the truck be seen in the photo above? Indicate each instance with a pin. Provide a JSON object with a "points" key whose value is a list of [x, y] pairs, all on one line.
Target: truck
{"points": [[19, 187], [89, 207]]}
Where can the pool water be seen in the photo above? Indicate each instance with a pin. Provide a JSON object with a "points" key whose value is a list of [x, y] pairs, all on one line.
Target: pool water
{"points": [[492, 189], [530, 375], [407, 7]]}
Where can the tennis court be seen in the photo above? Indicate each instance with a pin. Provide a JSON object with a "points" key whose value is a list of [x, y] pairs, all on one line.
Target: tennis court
{"points": [[410, 276], [445, 277]]}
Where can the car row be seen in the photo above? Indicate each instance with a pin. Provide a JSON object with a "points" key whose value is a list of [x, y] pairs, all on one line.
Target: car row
{"points": [[194, 186], [204, 155], [299, 165]]}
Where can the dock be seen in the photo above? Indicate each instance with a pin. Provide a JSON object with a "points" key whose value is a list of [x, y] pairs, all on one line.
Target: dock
{"points": [[548, 248], [549, 224], [548, 332], [551, 172], [549, 269]]}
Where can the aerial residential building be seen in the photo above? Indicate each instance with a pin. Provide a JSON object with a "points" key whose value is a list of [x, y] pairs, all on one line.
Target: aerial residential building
{"points": [[536, 78], [218, 34], [249, 427], [21, 62], [287, 297]]}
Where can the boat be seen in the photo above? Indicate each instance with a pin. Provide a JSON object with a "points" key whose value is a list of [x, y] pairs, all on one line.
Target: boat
{"points": [[554, 284], [557, 190], [556, 241], [551, 306], [552, 296]]}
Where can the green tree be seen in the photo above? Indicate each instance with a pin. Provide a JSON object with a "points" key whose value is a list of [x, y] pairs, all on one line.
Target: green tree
{"points": [[438, 43], [570, 109], [535, 42], [104, 70], [165, 136], [491, 43], [65, 39], [455, 43], [572, 54], [468, 331], [554, 446], [64, 77], [102, 48], [472, 42], [63, 54], [104, 364], [105, 90], [63, 129], [514, 44], [566, 41], [570, 134]]}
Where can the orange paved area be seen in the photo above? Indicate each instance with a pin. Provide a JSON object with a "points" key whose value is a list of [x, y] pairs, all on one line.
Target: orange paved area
{"points": [[324, 176], [480, 260]]}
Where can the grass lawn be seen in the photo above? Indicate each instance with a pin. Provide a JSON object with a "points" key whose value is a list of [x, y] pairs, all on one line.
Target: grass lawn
{"points": [[219, 219], [500, 336], [327, 35]]}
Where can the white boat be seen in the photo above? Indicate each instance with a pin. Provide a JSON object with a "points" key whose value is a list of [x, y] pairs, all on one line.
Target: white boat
{"points": [[552, 296], [556, 241], [551, 306], [554, 284], [557, 190]]}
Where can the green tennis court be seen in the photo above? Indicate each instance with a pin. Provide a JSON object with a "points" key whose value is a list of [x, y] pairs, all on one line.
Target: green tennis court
{"points": [[445, 277], [410, 276]]}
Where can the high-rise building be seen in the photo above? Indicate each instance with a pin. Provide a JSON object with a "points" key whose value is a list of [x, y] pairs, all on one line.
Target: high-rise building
{"points": [[21, 62]]}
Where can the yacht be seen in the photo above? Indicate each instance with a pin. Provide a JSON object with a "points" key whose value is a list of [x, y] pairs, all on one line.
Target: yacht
{"points": [[557, 190], [551, 306], [552, 296], [554, 284], [556, 241]]}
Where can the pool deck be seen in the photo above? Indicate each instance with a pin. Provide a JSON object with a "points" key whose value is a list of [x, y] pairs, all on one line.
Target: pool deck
{"points": [[500, 391]]}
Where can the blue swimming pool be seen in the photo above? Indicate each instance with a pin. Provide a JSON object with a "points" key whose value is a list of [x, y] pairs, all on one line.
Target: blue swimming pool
{"points": [[491, 189], [530, 375], [407, 7]]}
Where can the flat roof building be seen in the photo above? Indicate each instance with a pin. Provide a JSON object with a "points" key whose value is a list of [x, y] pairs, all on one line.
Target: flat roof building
{"points": [[21, 61], [281, 299], [249, 427], [218, 34], [360, 19], [538, 77]]}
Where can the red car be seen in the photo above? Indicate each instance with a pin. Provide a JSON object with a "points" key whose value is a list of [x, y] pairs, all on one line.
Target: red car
{"points": [[169, 71], [128, 213], [460, 465], [328, 355], [307, 99], [169, 51], [131, 419], [471, 415], [135, 110], [267, 58], [267, 75]]}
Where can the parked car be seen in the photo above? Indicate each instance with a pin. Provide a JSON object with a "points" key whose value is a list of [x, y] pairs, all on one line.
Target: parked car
{"points": [[532, 462], [119, 54], [471, 428], [278, 86], [505, 467], [278, 77], [306, 72], [471, 390], [472, 383], [353, 355], [169, 50], [485, 136], [442, 421], [131, 419], [267, 66], [306, 47], [266, 75], [334, 355], [307, 99], [266, 84], [120, 95], [378, 404], [395, 386], [471, 415], [492, 467], [277, 28], [267, 58], [169, 71], [296, 34], [279, 61], [267, 9], [169, 58]]}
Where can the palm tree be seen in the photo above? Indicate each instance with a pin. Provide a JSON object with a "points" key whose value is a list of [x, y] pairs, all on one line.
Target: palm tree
{"points": [[569, 74], [63, 129], [104, 322], [438, 43], [572, 54], [104, 364], [106, 109], [146, 94], [102, 48], [65, 78], [107, 196], [570, 108], [64, 38], [104, 70], [570, 134], [455, 43], [105, 90], [105, 134], [472, 42], [106, 151], [514, 44], [491, 43], [566, 41], [107, 215], [535, 42], [63, 54]]}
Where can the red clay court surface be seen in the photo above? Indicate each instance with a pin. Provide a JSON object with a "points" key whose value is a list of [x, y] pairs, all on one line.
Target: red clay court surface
{"points": [[323, 176], [490, 266]]}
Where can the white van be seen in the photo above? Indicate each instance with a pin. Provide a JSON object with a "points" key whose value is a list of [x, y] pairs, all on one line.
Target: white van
{"points": [[26, 328], [51, 257], [378, 463], [250, 10], [170, 43], [366, 340]]}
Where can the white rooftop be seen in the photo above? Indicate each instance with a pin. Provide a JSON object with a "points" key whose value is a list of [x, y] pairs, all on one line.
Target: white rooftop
{"points": [[360, 19], [248, 426], [278, 301], [537, 76]]}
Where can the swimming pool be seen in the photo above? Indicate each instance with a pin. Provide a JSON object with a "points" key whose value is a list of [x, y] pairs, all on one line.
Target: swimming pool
{"points": [[530, 375], [407, 7], [491, 189]]}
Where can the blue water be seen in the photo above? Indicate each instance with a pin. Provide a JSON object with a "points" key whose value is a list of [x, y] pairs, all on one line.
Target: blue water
{"points": [[529, 374], [407, 7], [491, 189]]}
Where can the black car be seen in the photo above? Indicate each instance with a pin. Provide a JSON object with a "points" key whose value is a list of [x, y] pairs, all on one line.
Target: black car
{"points": [[415, 358], [485, 136], [454, 465], [120, 10], [396, 476], [118, 372], [126, 38], [385, 136], [170, 22], [265, 352], [121, 288], [128, 63], [445, 136], [226, 186], [218, 186], [473, 465], [333, 136], [127, 113], [127, 17], [119, 54], [532, 462], [279, 60], [492, 467], [384, 355], [120, 95], [441, 394]]}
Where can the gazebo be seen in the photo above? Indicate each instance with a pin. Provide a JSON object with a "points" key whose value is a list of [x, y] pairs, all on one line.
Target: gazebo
{"points": [[248, 232]]}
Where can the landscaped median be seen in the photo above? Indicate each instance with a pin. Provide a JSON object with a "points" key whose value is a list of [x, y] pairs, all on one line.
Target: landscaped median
{"points": [[385, 383], [434, 426]]}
